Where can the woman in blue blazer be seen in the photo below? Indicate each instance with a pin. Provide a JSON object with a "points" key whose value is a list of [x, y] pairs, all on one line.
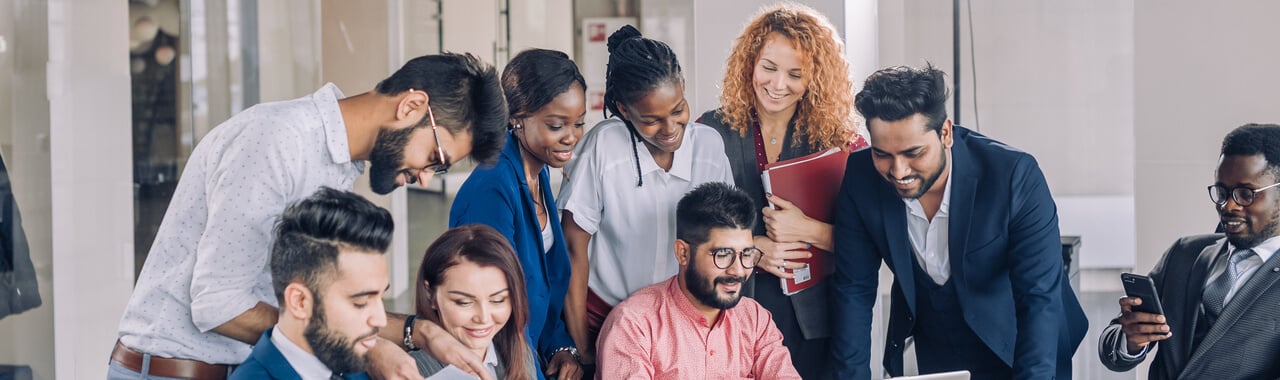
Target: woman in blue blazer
{"points": [[546, 102]]}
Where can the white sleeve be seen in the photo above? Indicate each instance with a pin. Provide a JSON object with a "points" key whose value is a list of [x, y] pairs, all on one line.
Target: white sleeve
{"points": [[1123, 351], [247, 189]]}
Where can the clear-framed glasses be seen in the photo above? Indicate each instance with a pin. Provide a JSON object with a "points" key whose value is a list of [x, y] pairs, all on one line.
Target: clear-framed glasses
{"points": [[724, 257], [1243, 196], [442, 165]]}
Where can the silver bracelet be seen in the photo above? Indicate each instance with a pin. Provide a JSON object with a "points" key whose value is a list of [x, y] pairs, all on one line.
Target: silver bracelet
{"points": [[572, 351], [408, 333]]}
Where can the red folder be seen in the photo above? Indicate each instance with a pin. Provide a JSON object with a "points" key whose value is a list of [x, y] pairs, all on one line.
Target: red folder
{"points": [[811, 183]]}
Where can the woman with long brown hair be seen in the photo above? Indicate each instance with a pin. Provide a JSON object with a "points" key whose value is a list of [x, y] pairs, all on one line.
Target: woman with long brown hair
{"points": [[470, 283], [786, 94]]}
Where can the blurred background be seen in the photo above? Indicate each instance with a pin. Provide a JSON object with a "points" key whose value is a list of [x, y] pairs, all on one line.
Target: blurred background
{"points": [[1124, 104]]}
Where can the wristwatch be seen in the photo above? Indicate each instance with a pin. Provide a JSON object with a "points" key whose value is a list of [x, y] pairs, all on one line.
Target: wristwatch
{"points": [[572, 351]]}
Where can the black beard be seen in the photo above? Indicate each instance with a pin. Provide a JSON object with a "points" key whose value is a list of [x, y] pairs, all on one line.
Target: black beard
{"points": [[387, 158], [705, 291], [1251, 240], [928, 183], [335, 351]]}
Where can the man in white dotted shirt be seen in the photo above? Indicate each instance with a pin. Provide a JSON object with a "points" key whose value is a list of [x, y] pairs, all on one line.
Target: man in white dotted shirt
{"points": [[205, 295]]}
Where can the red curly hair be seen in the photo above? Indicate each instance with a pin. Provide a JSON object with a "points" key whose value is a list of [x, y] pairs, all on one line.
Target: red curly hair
{"points": [[824, 115]]}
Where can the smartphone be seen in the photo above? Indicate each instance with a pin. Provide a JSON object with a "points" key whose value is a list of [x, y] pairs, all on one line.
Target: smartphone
{"points": [[1136, 285]]}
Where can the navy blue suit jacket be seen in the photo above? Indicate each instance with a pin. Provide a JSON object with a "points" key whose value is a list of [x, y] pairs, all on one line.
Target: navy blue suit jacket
{"points": [[266, 362], [498, 196], [1006, 262]]}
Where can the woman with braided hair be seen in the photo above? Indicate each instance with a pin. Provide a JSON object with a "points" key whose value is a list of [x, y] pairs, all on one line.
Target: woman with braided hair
{"points": [[625, 178]]}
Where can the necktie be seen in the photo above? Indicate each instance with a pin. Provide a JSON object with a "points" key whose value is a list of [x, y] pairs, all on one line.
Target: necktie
{"points": [[1215, 294]]}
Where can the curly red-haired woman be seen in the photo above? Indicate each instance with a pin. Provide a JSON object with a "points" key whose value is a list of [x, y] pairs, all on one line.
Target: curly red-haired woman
{"points": [[786, 94]]}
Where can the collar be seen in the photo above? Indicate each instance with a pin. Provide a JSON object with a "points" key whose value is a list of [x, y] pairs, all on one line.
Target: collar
{"points": [[335, 130], [915, 208], [1264, 250], [681, 164], [685, 306], [511, 151], [306, 364], [491, 358]]}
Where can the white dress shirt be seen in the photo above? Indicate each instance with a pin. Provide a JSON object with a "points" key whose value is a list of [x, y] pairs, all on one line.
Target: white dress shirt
{"points": [[634, 228], [209, 260], [306, 364], [929, 239]]}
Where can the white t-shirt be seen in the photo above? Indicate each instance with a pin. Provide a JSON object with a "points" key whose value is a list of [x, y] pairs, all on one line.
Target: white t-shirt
{"points": [[634, 227]]}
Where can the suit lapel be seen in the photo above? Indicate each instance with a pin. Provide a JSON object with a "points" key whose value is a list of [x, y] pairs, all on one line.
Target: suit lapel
{"points": [[1193, 289], [894, 213], [274, 361], [964, 190], [1261, 281], [526, 199]]}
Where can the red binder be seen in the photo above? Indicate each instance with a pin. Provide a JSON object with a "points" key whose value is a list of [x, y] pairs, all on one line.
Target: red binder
{"points": [[811, 183]]}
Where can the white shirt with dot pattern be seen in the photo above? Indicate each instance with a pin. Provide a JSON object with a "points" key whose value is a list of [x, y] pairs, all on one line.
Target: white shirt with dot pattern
{"points": [[209, 262]]}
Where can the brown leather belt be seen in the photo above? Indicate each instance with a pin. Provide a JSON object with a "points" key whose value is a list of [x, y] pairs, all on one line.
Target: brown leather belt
{"points": [[166, 367]]}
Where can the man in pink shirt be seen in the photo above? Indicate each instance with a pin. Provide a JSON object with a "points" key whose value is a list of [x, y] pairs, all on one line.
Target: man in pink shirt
{"points": [[696, 325]]}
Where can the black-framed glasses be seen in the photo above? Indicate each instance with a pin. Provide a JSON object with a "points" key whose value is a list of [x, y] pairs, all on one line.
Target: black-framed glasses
{"points": [[724, 257], [1243, 196], [442, 165]]}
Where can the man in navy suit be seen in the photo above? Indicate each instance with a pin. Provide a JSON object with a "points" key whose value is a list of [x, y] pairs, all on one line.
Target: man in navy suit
{"points": [[970, 231], [328, 271]]}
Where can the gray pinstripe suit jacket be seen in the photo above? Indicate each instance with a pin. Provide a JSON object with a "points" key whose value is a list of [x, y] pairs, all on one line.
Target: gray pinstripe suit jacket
{"points": [[1243, 344]]}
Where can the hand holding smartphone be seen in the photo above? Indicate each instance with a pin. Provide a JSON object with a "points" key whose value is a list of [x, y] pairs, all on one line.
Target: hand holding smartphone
{"points": [[1136, 285]]}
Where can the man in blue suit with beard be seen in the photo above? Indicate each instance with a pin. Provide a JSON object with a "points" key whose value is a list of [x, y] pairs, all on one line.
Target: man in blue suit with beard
{"points": [[329, 271], [970, 231]]}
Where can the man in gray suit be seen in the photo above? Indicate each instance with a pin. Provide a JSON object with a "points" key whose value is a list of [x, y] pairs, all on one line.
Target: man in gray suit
{"points": [[1220, 294]]}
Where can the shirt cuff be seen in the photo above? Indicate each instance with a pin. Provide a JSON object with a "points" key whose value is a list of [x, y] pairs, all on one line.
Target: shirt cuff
{"points": [[1123, 349]]}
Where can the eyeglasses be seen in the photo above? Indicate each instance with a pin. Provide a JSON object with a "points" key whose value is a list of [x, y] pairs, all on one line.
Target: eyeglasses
{"points": [[724, 257], [1243, 196], [442, 165]]}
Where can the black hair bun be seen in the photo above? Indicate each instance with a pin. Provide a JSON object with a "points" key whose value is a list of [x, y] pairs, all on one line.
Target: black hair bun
{"points": [[624, 33]]}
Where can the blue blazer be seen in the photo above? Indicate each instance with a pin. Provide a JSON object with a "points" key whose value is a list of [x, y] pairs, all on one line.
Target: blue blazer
{"points": [[266, 362], [498, 196], [1006, 262]]}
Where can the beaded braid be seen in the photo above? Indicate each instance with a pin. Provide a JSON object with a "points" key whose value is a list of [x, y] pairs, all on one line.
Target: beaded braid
{"points": [[637, 65]]}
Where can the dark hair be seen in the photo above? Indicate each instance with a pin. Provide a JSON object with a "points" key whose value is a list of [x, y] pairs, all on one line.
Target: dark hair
{"points": [[637, 66], [1253, 139], [311, 233], [896, 93], [535, 77], [481, 245], [464, 95], [713, 205]]}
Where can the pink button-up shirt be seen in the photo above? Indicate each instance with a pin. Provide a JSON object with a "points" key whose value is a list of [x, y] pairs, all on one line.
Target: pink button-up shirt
{"points": [[658, 334]]}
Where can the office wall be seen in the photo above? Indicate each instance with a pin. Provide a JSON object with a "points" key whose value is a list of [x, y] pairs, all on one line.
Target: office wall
{"points": [[716, 23], [1052, 78], [544, 24], [1202, 69], [289, 37], [471, 26], [92, 207]]}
